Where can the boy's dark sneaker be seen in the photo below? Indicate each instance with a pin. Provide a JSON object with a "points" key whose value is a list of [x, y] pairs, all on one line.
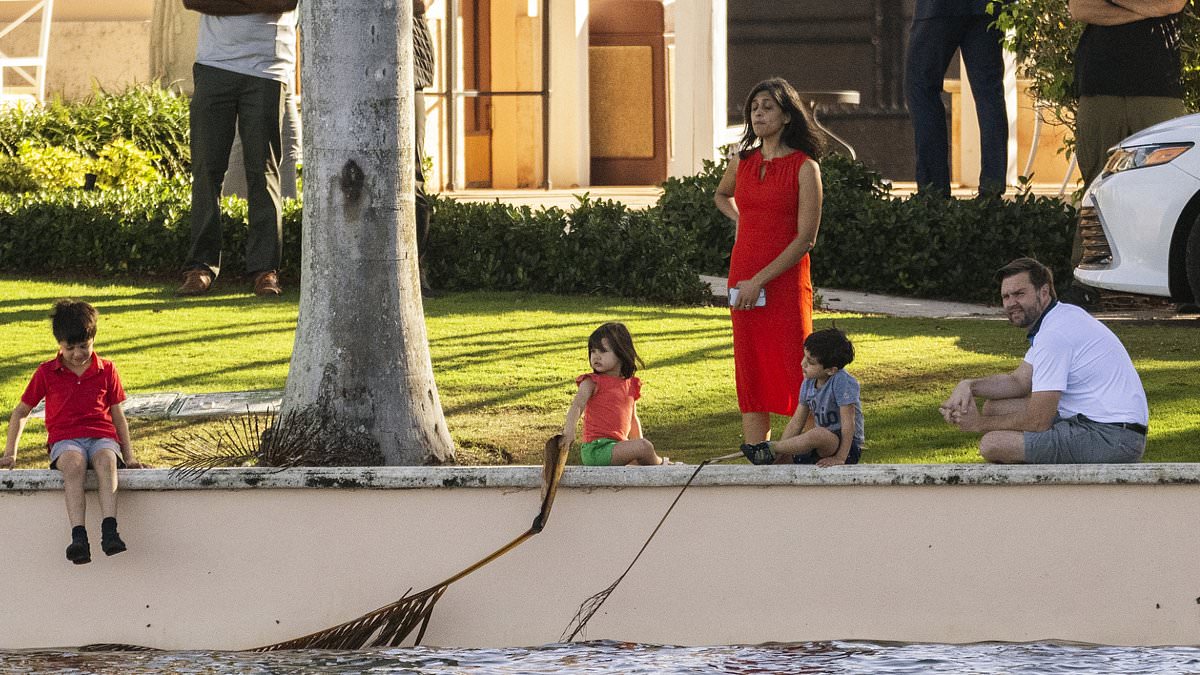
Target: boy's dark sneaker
{"points": [[759, 453], [111, 543], [79, 552]]}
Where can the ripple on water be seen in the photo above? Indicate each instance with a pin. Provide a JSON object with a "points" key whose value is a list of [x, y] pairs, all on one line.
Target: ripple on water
{"points": [[860, 658]]}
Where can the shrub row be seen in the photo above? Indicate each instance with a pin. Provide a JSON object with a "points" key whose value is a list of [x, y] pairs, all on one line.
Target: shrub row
{"points": [[143, 231], [929, 246], [598, 247], [869, 239], [154, 119], [120, 163]]}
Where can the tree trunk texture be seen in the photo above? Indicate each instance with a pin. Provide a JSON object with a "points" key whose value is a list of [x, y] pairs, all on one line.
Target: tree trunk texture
{"points": [[361, 355]]}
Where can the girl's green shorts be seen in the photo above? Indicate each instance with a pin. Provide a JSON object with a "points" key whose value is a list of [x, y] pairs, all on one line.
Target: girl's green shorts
{"points": [[597, 452]]}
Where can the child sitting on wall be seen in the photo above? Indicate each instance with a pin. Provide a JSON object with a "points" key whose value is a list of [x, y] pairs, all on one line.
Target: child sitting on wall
{"points": [[831, 396], [84, 423], [607, 400]]}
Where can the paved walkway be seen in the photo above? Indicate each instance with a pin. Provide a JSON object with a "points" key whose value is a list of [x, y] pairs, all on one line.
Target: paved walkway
{"points": [[888, 305]]}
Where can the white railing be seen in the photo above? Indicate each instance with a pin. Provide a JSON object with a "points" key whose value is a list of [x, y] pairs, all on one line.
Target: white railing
{"points": [[23, 65]]}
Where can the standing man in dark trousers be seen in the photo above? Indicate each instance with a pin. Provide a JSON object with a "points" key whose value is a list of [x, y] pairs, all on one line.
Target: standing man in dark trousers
{"points": [[245, 56], [939, 28], [422, 77]]}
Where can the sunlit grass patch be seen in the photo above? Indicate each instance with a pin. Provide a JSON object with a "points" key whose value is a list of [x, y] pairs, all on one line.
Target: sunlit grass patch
{"points": [[505, 365]]}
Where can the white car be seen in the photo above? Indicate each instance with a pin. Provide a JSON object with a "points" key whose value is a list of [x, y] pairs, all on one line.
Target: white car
{"points": [[1140, 219]]}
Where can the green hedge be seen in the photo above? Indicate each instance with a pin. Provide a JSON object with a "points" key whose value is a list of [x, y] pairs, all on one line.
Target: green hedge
{"points": [[598, 247], [869, 239], [932, 247], [929, 246], [145, 231]]}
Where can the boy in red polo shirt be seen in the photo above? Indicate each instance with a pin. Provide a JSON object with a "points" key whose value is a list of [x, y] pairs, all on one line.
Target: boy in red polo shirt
{"points": [[84, 423]]}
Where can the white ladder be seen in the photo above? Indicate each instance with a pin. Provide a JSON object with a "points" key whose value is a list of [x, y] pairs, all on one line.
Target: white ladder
{"points": [[23, 65]]}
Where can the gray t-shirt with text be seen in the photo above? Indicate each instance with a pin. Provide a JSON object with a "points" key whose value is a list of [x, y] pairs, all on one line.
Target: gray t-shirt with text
{"points": [[824, 403]]}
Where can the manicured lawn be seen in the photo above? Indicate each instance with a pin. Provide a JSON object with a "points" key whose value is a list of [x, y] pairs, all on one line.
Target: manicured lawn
{"points": [[505, 365]]}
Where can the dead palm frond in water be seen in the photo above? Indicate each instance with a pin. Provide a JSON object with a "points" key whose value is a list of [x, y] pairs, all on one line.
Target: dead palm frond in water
{"points": [[592, 605], [294, 439], [391, 624]]}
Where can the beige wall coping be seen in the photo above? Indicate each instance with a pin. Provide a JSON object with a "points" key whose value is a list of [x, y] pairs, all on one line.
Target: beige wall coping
{"points": [[522, 477]]}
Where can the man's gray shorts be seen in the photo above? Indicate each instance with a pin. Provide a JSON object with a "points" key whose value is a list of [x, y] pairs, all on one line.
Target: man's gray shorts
{"points": [[1078, 440]]}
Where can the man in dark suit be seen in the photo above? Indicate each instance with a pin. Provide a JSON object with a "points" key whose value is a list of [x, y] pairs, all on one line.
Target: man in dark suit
{"points": [[939, 28]]}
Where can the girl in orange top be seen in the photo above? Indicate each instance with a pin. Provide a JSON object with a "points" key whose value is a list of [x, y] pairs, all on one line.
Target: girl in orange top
{"points": [[607, 400]]}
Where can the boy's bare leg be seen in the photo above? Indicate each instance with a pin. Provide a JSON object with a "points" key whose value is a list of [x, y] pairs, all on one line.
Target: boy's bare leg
{"points": [[73, 467], [824, 441], [635, 451], [756, 427], [104, 463]]}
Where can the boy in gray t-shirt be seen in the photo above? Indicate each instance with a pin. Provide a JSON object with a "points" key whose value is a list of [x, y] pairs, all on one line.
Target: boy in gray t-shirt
{"points": [[830, 395]]}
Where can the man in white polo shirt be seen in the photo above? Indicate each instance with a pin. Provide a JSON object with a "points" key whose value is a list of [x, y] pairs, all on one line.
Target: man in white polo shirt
{"points": [[245, 60], [1075, 398]]}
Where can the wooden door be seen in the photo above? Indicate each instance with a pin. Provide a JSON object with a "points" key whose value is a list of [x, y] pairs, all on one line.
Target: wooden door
{"points": [[628, 92]]}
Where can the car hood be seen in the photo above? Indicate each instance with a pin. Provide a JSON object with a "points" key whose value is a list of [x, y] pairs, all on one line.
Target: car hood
{"points": [[1186, 128]]}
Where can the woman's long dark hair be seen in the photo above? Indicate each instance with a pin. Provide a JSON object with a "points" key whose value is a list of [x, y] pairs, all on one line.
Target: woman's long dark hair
{"points": [[799, 133]]}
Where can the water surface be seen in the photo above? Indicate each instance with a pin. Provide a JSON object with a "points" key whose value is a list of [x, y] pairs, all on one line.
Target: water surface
{"points": [[859, 658]]}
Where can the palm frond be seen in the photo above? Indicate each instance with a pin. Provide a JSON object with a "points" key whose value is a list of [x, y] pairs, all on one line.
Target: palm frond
{"points": [[297, 438], [391, 624]]}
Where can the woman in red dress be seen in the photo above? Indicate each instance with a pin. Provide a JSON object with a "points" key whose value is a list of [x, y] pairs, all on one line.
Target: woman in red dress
{"points": [[772, 191]]}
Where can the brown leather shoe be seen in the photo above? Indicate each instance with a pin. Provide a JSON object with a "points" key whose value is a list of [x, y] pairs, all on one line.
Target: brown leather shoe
{"points": [[266, 284], [195, 282]]}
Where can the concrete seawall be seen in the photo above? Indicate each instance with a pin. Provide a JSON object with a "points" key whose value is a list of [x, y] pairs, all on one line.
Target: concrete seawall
{"points": [[941, 553]]}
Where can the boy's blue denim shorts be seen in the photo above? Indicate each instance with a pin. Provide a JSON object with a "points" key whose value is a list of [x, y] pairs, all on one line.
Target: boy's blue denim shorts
{"points": [[88, 447]]}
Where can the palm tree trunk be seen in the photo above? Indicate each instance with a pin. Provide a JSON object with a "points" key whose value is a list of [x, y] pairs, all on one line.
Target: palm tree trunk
{"points": [[362, 356]]}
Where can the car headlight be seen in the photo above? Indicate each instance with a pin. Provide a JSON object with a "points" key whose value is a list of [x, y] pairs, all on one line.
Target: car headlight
{"points": [[1142, 156]]}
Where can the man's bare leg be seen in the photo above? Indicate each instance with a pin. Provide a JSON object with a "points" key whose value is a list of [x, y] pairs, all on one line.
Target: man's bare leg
{"points": [[1004, 447]]}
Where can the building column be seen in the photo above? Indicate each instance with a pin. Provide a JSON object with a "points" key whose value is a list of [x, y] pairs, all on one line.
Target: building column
{"points": [[697, 84], [570, 141]]}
